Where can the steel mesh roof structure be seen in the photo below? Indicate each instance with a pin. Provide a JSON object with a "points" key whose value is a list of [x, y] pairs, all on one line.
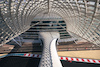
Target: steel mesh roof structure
{"points": [[82, 17]]}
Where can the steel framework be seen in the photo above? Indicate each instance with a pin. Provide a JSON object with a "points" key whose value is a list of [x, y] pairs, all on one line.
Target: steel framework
{"points": [[81, 16]]}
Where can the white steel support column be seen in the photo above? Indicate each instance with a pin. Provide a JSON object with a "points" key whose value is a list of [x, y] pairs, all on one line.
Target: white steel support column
{"points": [[49, 55]]}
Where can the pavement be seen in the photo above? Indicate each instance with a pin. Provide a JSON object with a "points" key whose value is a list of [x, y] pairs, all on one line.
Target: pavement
{"points": [[33, 62], [78, 64]]}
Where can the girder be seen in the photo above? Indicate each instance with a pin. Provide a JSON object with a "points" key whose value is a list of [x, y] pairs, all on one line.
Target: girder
{"points": [[81, 16]]}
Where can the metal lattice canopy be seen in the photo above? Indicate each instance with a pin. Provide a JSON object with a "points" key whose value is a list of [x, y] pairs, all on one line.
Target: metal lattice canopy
{"points": [[81, 16]]}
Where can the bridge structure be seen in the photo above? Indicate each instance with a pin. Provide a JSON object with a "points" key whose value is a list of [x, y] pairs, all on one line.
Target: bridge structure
{"points": [[25, 19]]}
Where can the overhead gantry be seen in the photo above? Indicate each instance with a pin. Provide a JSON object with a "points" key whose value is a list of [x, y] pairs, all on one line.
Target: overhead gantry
{"points": [[81, 16]]}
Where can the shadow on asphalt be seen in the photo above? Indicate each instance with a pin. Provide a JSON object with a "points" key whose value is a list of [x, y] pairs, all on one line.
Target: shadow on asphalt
{"points": [[34, 62], [78, 64]]}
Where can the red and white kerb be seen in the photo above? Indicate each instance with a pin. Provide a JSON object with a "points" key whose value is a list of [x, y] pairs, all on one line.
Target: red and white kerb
{"points": [[67, 58], [80, 60], [32, 55]]}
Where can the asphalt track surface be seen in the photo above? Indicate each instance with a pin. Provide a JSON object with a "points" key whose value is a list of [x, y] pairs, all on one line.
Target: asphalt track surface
{"points": [[33, 62]]}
